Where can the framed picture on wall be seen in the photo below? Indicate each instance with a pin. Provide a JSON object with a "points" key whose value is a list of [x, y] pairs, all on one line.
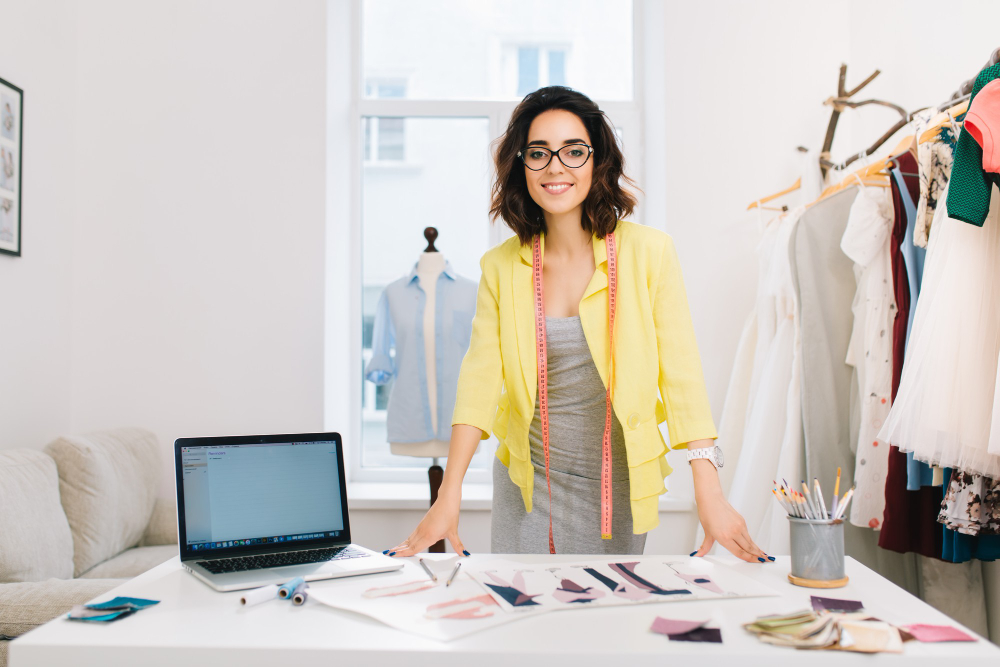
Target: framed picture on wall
{"points": [[11, 112]]}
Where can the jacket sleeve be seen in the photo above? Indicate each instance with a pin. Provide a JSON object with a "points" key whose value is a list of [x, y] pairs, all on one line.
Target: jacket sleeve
{"points": [[381, 368], [480, 378], [681, 381]]}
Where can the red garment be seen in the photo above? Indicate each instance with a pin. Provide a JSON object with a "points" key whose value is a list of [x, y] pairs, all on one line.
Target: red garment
{"points": [[909, 522]]}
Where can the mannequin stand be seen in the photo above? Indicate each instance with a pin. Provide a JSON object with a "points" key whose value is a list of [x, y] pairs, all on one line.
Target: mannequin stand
{"points": [[435, 474]]}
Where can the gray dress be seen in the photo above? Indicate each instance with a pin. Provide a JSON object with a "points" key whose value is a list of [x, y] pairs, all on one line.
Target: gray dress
{"points": [[577, 403]]}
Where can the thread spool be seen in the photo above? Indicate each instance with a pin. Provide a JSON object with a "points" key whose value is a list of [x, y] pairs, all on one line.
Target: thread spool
{"points": [[300, 595], [288, 588], [258, 595]]}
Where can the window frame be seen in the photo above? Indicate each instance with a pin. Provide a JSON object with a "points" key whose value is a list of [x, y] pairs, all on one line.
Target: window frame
{"points": [[344, 276]]}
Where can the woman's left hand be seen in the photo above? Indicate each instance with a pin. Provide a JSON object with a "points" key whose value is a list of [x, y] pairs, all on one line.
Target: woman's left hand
{"points": [[722, 523]]}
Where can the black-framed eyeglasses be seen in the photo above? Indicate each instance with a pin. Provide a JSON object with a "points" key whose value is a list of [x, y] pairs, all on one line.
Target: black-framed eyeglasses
{"points": [[537, 158]]}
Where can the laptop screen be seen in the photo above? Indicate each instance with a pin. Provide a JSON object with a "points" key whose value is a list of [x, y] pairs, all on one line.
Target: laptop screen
{"points": [[259, 494]]}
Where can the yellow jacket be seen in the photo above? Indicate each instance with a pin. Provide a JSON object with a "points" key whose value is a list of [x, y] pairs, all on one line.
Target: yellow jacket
{"points": [[655, 349]]}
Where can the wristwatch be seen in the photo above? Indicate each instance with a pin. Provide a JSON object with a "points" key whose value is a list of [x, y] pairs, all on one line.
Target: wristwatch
{"points": [[713, 454]]}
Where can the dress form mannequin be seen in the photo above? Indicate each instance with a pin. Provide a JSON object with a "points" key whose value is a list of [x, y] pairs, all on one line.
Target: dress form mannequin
{"points": [[429, 268]]}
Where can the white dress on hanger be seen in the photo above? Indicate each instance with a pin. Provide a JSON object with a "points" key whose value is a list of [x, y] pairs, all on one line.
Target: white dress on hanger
{"points": [[773, 446], [866, 242], [944, 407]]}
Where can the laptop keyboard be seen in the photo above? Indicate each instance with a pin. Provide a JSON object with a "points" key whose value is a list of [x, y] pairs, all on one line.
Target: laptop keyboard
{"points": [[243, 563]]}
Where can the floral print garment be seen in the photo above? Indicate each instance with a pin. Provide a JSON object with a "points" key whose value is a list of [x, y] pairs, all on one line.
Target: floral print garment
{"points": [[934, 160], [971, 504]]}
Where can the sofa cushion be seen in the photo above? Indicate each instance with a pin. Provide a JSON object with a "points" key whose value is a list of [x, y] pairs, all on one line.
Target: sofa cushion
{"points": [[131, 562], [24, 606], [162, 528], [35, 538], [108, 484]]}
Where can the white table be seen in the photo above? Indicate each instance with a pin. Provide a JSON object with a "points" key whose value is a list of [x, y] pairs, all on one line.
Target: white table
{"points": [[194, 625]]}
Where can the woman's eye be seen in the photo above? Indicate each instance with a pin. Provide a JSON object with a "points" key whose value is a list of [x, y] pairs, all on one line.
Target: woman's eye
{"points": [[536, 155], [576, 152]]}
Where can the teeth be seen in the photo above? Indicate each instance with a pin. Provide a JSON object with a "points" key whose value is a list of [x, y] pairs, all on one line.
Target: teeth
{"points": [[555, 188]]}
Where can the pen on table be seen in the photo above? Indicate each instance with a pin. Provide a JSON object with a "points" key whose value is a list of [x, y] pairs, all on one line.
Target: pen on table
{"points": [[453, 573], [427, 570]]}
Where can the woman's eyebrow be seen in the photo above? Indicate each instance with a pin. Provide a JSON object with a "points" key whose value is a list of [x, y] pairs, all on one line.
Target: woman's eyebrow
{"points": [[542, 142]]}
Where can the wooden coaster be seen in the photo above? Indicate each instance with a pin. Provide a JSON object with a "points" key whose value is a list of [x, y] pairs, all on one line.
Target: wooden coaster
{"points": [[816, 583]]}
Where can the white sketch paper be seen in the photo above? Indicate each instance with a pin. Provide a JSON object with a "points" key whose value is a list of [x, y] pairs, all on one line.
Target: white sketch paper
{"points": [[520, 588], [409, 601]]}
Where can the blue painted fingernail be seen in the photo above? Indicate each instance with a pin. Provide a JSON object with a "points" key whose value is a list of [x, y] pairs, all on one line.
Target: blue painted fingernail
{"points": [[770, 558], [386, 551], [393, 553], [760, 559], [693, 552], [464, 551]]}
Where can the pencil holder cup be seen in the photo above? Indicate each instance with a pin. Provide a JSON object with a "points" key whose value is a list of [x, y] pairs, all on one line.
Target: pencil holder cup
{"points": [[817, 553]]}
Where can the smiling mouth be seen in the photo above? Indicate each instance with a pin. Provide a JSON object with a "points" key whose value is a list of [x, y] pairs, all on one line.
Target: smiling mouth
{"points": [[557, 189]]}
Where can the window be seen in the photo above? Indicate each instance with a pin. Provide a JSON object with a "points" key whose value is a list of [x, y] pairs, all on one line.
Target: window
{"points": [[538, 67], [435, 85], [384, 140]]}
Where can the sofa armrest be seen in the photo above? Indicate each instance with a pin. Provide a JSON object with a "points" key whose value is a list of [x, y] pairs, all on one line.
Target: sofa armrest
{"points": [[25, 606], [162, 528]]}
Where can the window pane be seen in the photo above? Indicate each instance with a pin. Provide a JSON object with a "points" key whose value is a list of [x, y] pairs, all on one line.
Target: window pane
{"points": [[557, 68], [456, 49], [443, 183], [527, 71]]}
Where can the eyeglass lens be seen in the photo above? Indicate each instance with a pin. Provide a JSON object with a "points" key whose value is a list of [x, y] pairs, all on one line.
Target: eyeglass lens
{"points": [[573, 156]]}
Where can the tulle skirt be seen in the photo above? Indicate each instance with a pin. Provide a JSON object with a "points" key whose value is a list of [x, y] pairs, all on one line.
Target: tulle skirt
{"points": [[944, 407]]}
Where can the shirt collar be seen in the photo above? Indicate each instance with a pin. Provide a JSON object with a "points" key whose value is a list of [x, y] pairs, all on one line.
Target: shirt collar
{"points": [[448, 271]]}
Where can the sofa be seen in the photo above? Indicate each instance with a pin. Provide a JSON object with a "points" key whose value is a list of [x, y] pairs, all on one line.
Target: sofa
{"points": [[77, 519]]}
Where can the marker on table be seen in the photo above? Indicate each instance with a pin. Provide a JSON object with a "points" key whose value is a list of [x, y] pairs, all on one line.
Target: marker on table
{"points": [[453, 573], [427, 570]]}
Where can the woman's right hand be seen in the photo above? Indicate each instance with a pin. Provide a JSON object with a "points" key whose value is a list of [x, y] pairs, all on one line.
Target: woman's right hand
{"points": [[441, 521]]}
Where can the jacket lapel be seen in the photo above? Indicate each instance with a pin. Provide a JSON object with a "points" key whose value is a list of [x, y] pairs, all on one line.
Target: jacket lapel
{"points": [[594, 311], [524, 321]]}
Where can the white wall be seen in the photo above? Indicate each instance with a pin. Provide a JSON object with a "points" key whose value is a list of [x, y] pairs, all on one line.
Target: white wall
{"points": [[175, 190], [198, 290], [35, 323]]}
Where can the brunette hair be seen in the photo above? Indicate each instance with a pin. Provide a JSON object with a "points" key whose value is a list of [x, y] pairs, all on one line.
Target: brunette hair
{"points": [[607, 200]]}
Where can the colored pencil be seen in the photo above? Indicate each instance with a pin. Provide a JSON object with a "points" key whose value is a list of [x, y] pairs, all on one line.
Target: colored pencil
{"points": [[819, 497], [844, 503]]}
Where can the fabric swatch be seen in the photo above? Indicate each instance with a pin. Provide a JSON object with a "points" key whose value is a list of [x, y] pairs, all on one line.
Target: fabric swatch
{"points": [[833, 604], [937, 633], [709, 635], [667, 626]]}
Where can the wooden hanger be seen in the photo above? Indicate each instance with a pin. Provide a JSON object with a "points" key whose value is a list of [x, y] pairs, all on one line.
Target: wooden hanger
{"points": [[946, 117], [792, 188], [855, 177], [874, 174]]}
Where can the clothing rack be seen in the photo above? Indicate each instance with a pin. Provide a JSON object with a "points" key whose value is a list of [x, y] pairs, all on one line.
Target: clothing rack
{"points": [[842, 101]]}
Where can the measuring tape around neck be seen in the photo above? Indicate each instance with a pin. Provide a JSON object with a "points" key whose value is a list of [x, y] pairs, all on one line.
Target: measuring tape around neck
{"points": [[543, 381]]}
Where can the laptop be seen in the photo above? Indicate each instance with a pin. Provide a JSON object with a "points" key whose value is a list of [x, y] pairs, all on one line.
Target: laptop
{"points": [[263, 509]]}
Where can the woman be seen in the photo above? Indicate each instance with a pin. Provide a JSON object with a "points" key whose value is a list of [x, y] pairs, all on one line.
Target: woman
{"points": [[558, 169]]}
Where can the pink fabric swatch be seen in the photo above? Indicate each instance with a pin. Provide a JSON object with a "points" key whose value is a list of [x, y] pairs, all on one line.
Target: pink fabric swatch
{"points": [[937, 633], [667, 626]]}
